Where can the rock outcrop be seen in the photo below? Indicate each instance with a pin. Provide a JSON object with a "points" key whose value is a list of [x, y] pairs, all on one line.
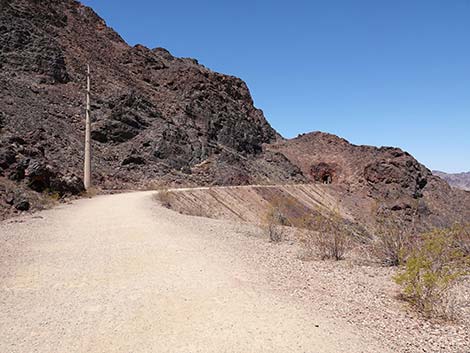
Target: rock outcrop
{"points": [[155, 116], [371, 180]]}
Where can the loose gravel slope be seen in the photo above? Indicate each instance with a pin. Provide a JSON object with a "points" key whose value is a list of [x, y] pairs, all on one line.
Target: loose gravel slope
{"points": [[119, 274]]}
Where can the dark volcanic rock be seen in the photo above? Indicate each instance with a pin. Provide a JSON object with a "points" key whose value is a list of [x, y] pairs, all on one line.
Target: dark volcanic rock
{"points": [[67, 185], [7, 157], [173, 113], [129, 115], [402, 171], [2, 119], [38, 176], [18, 173], [133, 160], [175, 148], [31, 48], [22, 205]]}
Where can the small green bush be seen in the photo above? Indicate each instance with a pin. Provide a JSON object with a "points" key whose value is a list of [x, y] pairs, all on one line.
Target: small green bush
{"points": [[432, 268], [461, 235], [52, 195]]}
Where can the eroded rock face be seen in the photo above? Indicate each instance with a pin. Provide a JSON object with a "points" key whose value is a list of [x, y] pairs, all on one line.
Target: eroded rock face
{"points": [[7, 157], [406, 173], [29, 48], [128, 115]]}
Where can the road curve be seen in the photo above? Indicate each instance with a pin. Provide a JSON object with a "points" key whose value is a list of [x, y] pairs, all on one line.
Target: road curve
{"points": [[118, 273]]}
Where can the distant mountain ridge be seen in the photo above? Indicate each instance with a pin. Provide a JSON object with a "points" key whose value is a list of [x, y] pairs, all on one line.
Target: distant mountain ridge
{"points": [[456, 180]]}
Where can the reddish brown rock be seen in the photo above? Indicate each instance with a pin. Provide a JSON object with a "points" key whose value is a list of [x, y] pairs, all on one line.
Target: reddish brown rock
{"points": [[370, 179]]}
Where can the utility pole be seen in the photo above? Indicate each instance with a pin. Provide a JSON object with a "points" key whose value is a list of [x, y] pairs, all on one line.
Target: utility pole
{"points": [[87, 166]]}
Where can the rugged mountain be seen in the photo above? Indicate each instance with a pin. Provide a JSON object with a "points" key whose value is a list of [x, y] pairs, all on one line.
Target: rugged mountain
{"points": [[155, 116], [456, 180], [158, 117], [370, 180]]}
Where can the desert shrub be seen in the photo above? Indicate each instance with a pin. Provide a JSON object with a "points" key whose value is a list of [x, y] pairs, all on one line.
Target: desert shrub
{"points": [[392, 240], [306, 227], [90, 192], [324, 235], [272, 222], [165, 197], [461, 236], [156, 185], [432, 268], [52, 195], [332, 239]]}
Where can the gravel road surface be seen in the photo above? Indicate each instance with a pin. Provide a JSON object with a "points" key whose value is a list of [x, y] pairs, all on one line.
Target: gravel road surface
{"points": [[118, 273]]}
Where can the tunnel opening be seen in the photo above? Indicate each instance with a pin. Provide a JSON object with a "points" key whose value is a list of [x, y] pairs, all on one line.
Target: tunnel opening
{"points": [[327, 179], [324, 173]]}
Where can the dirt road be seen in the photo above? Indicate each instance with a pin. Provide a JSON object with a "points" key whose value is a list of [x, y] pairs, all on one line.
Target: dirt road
{"points": [[120, 274]]}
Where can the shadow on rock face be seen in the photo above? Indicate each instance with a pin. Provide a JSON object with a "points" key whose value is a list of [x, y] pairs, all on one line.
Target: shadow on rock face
{"points": [[324, 172]]}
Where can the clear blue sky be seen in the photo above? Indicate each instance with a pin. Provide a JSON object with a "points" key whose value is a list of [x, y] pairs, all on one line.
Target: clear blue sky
{"points": [[377, 72]]}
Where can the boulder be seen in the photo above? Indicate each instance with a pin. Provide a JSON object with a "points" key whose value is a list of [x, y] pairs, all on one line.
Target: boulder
{"points": [[9, 199], [133, 160], [22, 205], [19, 170], [67, 185], [7, 157], [38, 175]]}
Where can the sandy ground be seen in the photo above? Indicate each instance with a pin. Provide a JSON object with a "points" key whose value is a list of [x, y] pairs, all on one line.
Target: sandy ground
{"points": [[119, 274], [357, 290]]}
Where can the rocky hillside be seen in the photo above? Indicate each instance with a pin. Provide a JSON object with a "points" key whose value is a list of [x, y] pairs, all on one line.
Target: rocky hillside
{"points": [[371, 180], [161, 118], [155, 116], [457, 180]]}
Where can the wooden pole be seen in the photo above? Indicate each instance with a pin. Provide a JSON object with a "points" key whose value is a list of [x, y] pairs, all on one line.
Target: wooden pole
{"points": [[87, 166]]}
